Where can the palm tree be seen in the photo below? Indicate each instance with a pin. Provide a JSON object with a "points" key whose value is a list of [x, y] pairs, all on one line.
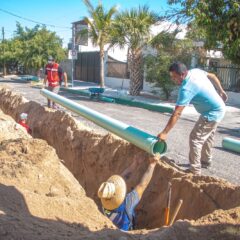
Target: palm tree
{"points": [[99, 23], [132, 28]]}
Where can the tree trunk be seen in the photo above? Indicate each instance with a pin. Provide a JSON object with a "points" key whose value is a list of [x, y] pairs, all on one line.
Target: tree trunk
{"points": [[102, 84], [4, 69], [136, 72]]}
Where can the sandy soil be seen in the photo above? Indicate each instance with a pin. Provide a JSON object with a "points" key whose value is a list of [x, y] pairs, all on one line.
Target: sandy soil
{"points": [[48, 183]]}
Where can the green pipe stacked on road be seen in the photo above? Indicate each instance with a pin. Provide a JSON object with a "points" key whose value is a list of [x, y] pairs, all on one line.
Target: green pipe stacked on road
{"points": [[130, 102], [148, 106], [231, 144], [106, 99], [26, 78], [143, 140], [86, 93], [81, 92]]}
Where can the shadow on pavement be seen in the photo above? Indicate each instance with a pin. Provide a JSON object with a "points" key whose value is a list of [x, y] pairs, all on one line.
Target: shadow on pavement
{"points": [[226, 150], [232, 132]]}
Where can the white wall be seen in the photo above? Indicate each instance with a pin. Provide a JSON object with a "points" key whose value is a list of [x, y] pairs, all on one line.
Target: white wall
{"points": [[124, 83], [149, 87], [120, 83]]}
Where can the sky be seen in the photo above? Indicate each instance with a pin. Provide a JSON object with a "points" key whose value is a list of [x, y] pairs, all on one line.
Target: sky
{"points": [[59, 13]]}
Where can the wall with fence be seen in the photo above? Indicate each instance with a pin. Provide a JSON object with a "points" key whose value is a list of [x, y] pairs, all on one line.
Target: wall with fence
{"points": [[117, 76], [229, 75], [117, 70], [67, 67]]}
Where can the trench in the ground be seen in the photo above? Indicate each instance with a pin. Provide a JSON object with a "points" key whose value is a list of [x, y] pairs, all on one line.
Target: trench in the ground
{"points": [[93, 157]]}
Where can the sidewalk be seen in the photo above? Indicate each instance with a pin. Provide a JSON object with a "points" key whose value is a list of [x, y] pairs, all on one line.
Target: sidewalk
{"points": [[232, 105], [146, 100]]}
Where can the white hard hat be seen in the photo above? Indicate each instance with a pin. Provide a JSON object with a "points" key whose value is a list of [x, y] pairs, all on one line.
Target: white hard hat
{"points": [[23, 116]]}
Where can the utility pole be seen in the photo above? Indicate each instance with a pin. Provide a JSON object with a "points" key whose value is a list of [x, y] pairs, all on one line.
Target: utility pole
{"points": [[3, 43], [73, 50]]}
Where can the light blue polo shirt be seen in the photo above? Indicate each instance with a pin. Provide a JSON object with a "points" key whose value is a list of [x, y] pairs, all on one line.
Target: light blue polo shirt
{"points": [[198, 90]]}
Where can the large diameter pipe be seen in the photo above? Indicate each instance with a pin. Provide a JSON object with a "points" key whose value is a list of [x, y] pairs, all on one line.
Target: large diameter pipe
{"points": [[231, 144], [143, 140]]}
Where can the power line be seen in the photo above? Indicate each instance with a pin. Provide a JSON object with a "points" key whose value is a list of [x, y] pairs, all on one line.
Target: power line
{"points": [[30, 20]]}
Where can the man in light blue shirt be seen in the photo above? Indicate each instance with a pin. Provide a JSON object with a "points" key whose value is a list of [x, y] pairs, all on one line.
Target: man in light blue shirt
{"points": [[204, 91]]}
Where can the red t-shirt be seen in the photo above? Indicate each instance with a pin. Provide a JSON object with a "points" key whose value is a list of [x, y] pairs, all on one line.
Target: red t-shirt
{"points": [[22, 123]]}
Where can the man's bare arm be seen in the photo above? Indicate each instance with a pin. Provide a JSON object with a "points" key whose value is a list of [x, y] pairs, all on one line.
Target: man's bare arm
{"points": [[146, 178], [171, 123], [45, 81], [218, 86], [65, 79]]}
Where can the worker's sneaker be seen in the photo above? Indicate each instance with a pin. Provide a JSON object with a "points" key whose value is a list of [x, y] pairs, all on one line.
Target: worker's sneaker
{"points": [[188, 170], [55, 107], [206, 164]]}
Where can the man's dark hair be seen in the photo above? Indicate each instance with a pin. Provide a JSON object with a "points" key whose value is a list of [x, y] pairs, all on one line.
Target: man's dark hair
{"points": [[178, 67]]}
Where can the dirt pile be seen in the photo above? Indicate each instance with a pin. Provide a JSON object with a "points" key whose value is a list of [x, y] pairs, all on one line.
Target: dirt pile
{"points": [[51, 193], [39, 197], [8, 128]]}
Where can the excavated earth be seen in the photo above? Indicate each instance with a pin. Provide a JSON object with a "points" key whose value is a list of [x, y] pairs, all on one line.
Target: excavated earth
{"points": [[49, 182]]}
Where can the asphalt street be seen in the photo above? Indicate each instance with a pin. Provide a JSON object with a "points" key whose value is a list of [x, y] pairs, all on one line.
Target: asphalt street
{"points": [[226, 164]]}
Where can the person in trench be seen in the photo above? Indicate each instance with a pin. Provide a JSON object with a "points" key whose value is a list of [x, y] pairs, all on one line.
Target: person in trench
{"points": [[119, 206], [204, 91], [23, 122]]}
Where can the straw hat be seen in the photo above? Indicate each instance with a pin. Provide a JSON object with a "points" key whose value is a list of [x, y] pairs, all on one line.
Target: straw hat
{"points": [[112, 193], [23, 116]]}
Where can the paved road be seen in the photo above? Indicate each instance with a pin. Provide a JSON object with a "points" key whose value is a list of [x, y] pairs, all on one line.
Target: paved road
{"points": [[225, 164]]}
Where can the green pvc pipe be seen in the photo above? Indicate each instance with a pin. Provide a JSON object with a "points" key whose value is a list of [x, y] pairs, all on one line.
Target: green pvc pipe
{"points": [[106, 99], [86, 93], [130, 102], [143, 140], [77, 91], [231, 144], [149, 106]]}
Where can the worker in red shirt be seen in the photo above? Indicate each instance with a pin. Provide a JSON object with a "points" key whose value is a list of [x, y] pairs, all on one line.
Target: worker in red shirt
{"points": [[53, 76], [23, 122]]}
